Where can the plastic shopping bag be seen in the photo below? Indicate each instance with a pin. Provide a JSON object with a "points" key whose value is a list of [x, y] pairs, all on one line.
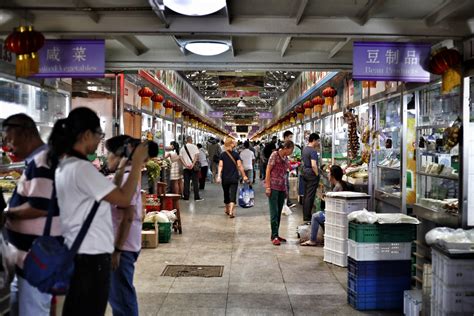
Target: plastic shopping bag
{"points": [[246, 197], [286, 210]]}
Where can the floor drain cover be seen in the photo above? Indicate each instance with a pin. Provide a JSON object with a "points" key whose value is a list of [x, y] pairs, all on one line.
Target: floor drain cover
{"points": [[193, 271]]}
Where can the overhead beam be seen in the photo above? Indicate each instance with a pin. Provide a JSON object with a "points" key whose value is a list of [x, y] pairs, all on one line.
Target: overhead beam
{"points": [[365, 13], [286, 43], [338, 47], [159, 8], [247, 26], [300, 11], [94, 16], [133, 44], [227, 11], [232, 43], [23, 14], [445, 10]]}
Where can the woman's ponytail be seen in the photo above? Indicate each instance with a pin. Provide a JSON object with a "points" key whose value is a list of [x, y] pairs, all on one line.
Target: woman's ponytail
{"points": [[60, 141]]}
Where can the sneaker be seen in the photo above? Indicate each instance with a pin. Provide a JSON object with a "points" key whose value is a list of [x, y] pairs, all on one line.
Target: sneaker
{"points": [[276, 241], [281, 239], [291, 205], [199, 200]]}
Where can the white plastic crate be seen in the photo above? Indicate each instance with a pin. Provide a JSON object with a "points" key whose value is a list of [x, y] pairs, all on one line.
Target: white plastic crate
{"points": [[448, 300], [335, 244], [337, 231], [345, 206], [412, 302], [337, 218], [334, 257], [453, 272], [379, 251]]}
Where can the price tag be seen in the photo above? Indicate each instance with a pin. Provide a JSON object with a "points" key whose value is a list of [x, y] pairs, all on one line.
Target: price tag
{"points": [[6, 55]]}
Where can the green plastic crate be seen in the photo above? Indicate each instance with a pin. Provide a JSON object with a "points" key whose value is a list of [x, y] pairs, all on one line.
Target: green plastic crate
{"points": [[164, 232], [382, 233], [148, 226]]}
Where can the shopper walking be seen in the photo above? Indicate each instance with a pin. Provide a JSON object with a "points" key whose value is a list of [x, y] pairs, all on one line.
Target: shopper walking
{"points": [[79, 185], [203, 159], [319, 218], [28, 208], [275, 187], [176, 170], [288, 135], [189, 155], [214, 150], [248, 161], [127, 224], [310, 175], [230, 165]]}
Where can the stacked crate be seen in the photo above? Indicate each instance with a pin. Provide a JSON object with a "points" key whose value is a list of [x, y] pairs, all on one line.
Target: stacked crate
{"points": [[336, 226], [379, 265], [452, 287]]}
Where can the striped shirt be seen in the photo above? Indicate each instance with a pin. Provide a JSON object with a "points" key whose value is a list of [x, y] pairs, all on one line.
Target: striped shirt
{"points": [[35, 187]]}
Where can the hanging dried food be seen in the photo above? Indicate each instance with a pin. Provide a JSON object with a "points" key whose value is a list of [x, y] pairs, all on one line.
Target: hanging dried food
{"points": [[452, 135], [353, 144]]}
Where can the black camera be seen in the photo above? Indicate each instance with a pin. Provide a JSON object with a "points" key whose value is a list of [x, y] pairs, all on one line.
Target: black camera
{"points": [[132, 143]]}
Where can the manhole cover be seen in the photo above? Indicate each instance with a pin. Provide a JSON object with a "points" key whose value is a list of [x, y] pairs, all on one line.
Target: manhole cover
{"points": [[193, 271]]}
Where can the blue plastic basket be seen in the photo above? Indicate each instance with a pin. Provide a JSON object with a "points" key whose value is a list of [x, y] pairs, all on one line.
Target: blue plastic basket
{"points": [[380, 284], [375, 301], [375, 269]]}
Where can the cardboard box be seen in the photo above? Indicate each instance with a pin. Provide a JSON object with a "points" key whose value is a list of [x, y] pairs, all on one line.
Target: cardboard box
{"points": [[150, 238], [293, 190]]}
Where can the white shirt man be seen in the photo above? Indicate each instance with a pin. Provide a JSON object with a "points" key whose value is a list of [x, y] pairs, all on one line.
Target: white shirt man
{"points": [[248, 159]]}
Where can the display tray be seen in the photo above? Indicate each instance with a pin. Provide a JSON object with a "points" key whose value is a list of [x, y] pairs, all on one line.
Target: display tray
{"points": [[389, 168], [438, 217], [389, 198], [434, 175]]}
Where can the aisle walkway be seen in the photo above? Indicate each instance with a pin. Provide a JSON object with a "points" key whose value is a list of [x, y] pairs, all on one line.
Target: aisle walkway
{"points": [[258, 279]]}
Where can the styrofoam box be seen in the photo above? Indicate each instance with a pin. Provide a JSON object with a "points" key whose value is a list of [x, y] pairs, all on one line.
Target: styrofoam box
{"points": [[337, 231], [337, 218], [335, 257], [345, 206], [453, 272], [450, 300], [412, 302], [335, 244], [379, 251]]}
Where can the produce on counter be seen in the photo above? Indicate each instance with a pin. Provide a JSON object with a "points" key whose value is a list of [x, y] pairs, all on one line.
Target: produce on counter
{"points": [[7, 185], [452, 135]]}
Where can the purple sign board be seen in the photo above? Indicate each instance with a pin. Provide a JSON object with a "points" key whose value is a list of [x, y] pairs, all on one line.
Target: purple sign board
{"points": [[215, 114], [381, 61], [72, 58], [265, 115]]}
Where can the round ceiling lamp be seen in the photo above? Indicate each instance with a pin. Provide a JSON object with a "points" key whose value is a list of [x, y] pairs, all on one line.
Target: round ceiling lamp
{"points": [[195, 7], [207, 48]]}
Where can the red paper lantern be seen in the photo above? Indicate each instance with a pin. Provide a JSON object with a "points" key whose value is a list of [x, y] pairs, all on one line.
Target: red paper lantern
{"points": [[300, 112], [157, 102], [24, 41], [329, 93], [145, 94], [169, 107], [178, 110], [444, 60], [307, 108], [318, 104]]}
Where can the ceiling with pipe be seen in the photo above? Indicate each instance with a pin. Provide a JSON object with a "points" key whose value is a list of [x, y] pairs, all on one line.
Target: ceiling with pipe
{"points": [[269, 41]]}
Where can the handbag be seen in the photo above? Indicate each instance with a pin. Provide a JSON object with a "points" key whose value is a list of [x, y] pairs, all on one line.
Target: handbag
{"points": [[246, 197], [49, 265], [197, 163]]}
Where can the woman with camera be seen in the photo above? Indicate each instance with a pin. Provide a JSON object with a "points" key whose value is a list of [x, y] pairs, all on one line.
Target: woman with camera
{"points": [[230, 165], [78, 186], [127, 230]]}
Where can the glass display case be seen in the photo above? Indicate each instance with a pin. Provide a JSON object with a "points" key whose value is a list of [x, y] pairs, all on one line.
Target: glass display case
{"points": [[387, 156], [326, 140], [438, 156], [340, 139]]}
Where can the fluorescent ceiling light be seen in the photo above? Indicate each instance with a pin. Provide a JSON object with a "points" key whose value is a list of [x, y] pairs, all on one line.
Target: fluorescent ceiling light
{"points": [[195, 7], [241, 104], [207, 48]]}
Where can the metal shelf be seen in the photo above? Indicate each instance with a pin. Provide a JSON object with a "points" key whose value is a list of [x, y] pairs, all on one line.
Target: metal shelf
{"points": [[433, 153], [439, 217], [12, 166], [438, 176], [389, 198], [443, 126], [389, 168]]}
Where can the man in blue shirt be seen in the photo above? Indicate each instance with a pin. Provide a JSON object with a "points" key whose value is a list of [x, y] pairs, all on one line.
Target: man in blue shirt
{"points": [[310, 175]]}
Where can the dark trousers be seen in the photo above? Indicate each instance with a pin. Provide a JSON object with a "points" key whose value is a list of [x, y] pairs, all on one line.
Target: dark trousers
{"points": [[276, 201], [310, 186], [188, 176], [263, 172], [202, 179], [230, 191], [89, 288], [123, 297]]}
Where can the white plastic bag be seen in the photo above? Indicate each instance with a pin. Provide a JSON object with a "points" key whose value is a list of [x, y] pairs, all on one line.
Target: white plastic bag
{"points": [[171, 215], [304, 232], [363, 216], [286, 210]]}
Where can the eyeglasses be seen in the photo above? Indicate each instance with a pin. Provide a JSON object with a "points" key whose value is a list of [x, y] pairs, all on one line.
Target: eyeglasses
{"points": [[100, 133]]}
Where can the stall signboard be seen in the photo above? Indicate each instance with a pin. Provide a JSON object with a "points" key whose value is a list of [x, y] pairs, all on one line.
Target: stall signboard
{"points": [[265, 115], [385, 61], [72, 59], [215, 114]]}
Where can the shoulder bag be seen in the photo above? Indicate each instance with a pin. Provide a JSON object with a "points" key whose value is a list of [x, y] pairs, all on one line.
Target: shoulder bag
{"points": [[197, 163]]}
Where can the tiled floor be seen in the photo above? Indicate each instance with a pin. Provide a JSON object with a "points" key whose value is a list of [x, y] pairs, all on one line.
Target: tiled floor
{"points": [[258, 279]]}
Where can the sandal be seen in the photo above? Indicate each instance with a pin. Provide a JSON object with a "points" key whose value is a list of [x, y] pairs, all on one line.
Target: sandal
{"points": [[309, 243], [231, 215]]}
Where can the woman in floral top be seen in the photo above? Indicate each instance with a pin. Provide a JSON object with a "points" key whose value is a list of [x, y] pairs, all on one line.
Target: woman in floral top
{"points": [[275, 184]]}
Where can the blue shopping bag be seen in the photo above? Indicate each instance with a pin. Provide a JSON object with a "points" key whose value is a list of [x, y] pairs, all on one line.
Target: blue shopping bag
{"points": [[246, 197]]}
